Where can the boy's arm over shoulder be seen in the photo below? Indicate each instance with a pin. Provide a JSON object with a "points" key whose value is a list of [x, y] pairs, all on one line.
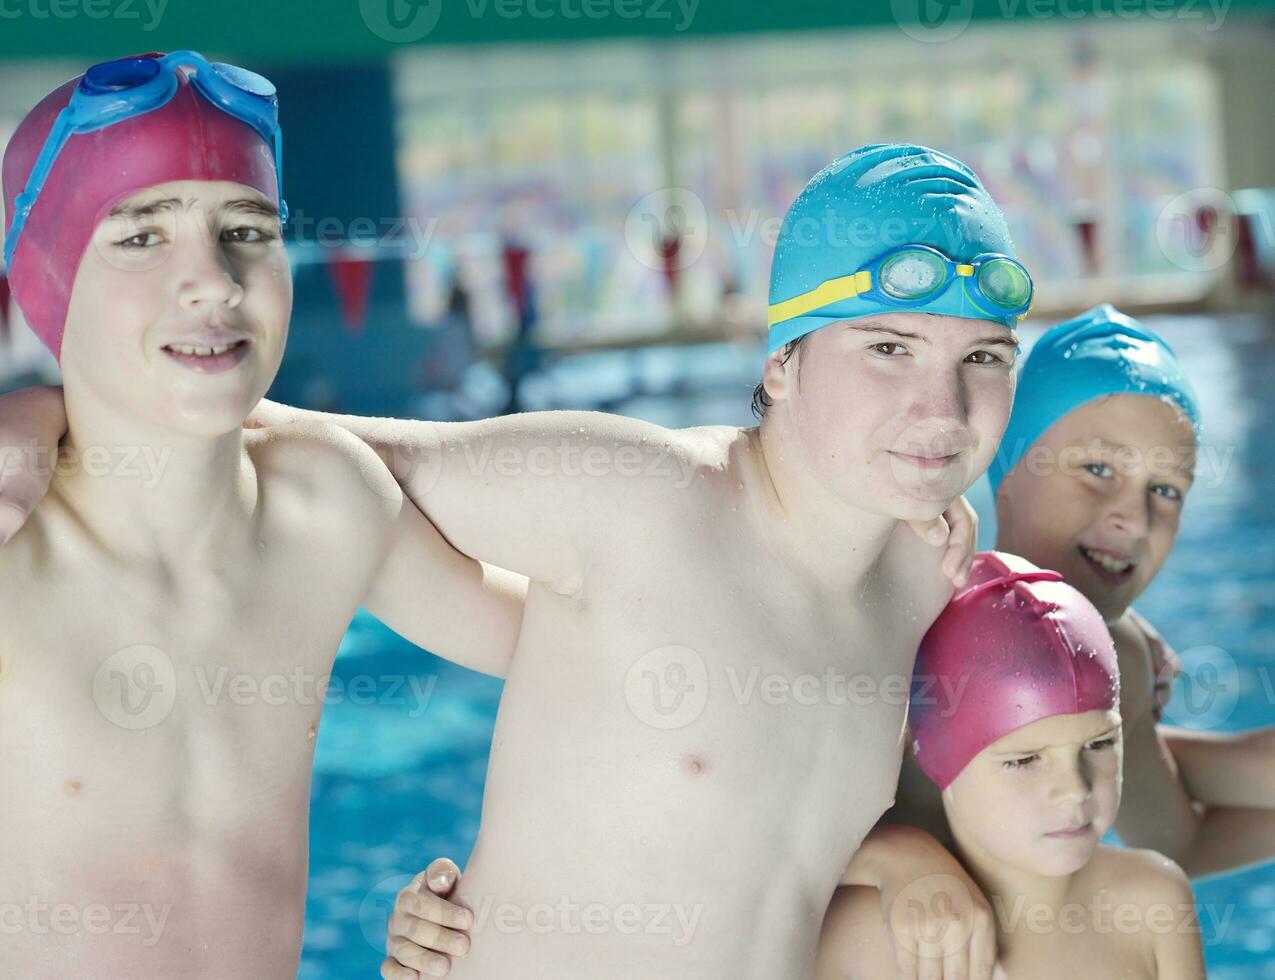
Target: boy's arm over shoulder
{"points": [[1156, 811], [416, 583], [1155, 894], [854, 943], [32, 422], [542, 493]]}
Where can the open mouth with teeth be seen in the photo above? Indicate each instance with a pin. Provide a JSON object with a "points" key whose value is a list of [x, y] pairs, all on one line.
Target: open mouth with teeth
{"points": [[1107, 566], [208, 360]]}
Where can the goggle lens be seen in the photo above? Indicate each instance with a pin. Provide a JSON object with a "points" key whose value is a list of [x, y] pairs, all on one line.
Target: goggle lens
{"points": [[247, 81], [1005, 283], [119, 76], [912, 275]]}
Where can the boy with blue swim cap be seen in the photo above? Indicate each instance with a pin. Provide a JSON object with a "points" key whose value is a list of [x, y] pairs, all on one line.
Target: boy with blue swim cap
{"points": [[888, 228], [1100, 353]]}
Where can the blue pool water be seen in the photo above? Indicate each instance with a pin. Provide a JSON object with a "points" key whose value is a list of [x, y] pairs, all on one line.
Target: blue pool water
{"points": [[403, 745]]}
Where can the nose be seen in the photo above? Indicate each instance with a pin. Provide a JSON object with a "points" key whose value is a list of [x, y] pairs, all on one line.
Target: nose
{"points": [[1071, 783], [938, 403], [205, 276], [1130, 511]]}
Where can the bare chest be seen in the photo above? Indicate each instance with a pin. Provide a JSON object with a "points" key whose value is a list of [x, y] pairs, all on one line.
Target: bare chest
{"points": [[160, 712]]}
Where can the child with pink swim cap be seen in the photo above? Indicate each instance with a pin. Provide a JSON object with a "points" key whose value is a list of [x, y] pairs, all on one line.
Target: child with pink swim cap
{"points": [[1015, 716], [173, 606]]}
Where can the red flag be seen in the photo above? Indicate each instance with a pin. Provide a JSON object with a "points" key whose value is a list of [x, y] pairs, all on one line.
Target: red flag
{"points": [[515, 258], [352, 280], [1088, 231], [670, 248]]}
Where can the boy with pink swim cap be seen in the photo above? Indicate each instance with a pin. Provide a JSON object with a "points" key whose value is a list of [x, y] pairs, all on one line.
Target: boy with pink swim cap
{"points": [[173, 605], [1015, 717]]}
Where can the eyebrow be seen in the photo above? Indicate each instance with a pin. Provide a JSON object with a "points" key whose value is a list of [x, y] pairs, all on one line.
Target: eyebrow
{"points": [[876, 326], [1107, 733], [149, 209]]}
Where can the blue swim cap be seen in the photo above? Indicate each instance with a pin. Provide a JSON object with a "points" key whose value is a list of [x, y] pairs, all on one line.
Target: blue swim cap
{"points": [[871, 200], [1101, 352]]}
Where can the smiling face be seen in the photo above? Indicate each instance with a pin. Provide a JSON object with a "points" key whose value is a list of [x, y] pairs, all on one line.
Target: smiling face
{"points": [[1040, 798], [180, 307], [1099, 497], [897, 413]]}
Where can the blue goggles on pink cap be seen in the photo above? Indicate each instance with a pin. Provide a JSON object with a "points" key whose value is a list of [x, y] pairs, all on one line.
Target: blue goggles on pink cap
{"points": [[113, 91]]}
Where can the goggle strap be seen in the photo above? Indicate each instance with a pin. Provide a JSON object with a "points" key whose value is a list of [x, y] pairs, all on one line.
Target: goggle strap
{"points": [[830, 291]]}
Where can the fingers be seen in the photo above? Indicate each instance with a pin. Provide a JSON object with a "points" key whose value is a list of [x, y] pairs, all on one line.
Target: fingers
{"points": [[933, 532], [413, 961], [13, 514], [956, 965], [428, 935], [413, 903], [982, 946], [963, 561], [905, 958], [394, 970], [962, 542], [442, 876]]}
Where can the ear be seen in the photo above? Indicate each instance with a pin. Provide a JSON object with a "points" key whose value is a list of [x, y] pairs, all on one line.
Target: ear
{"points": [[779, 378]]}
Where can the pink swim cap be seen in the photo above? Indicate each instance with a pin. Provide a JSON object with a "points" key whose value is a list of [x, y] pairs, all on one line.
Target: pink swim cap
{"points": [[1016, 645], [188, 138]]}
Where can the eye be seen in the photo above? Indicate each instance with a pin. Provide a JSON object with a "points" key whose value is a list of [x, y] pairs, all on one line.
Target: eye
{"points": [[143, 239], [1020, 763], [247, 235], [895, 348], [988, 358], [1167, 490], [1102, 743], [1101, 470]]}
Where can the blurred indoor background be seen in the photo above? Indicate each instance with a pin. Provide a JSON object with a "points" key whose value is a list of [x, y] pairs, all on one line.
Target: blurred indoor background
{"points": [[524, 204]]}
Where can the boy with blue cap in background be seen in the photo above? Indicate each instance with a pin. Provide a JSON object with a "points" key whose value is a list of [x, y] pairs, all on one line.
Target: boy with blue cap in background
{"points": [[1090, 480], [704, 719]]}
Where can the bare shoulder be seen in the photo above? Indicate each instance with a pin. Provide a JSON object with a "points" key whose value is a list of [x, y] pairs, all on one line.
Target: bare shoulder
{"points": [[1150, 898], [319, 472], [1137, 674], [1137, 875], [854, 943]]}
